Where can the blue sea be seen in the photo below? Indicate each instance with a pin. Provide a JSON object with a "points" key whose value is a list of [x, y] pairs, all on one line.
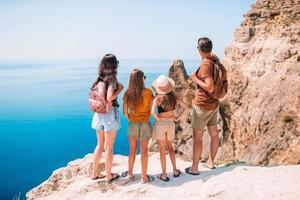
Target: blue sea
{"points": [[45, 120]]}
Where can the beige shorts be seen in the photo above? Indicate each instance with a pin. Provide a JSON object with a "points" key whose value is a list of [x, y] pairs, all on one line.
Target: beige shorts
{"points": [[164, 129], [202, 118], [140, 130]]}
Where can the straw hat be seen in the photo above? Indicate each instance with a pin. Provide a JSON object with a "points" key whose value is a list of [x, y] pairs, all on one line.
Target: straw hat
{"points": [[163, 84]]}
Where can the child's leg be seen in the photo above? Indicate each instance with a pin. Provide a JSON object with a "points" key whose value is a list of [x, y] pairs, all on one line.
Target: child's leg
{"points": [[162, 148], [144, 158], [98, 153], [132, 154], [110, 137], [170, 138], [172, 155]]}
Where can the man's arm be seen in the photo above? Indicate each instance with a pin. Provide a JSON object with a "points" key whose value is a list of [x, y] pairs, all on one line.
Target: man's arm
{"points": [[206, 82]]}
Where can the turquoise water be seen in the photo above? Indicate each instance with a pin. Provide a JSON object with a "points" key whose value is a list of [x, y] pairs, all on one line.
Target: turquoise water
{"points": [[45, 119]]}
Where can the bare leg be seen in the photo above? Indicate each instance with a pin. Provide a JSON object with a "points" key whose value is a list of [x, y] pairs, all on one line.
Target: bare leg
{"points": [[197, 149], [98, 153], [172, 156], [110, 137], [214, 145], [132, 153], [162, 148], [144, 158]]}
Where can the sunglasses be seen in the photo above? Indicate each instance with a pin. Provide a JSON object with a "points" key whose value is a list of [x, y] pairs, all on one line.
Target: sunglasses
{"points": [[144, 77], [198, 47]]}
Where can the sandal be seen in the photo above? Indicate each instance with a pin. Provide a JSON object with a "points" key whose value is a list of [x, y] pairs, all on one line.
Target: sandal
{"points": [[124, 174], [207, 166], [178, 173], [114, 177], [214, 167], [100, 176], [187, 170], [161, 178], [149, 179]]}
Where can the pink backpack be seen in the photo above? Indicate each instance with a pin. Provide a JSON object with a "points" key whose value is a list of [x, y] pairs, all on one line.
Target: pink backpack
{"points": [[97, 99]]}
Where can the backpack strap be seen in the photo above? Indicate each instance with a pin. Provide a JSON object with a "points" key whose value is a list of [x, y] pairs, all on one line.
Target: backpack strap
{"points": [[213, 62]]}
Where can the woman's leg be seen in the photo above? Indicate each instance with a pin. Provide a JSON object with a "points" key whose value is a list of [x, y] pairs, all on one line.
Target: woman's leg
{"points": [[98, 153], [110, 137], [132, 153], [162, 149], [172, 156], [144, 158]]}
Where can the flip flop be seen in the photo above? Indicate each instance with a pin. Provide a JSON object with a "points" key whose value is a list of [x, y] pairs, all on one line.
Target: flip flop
{"points": [[178, 174], [161, 178], [115, 176], [207, 166], [214, 167], [149, 179], [124, 174], [100, 176], [187, 170]]}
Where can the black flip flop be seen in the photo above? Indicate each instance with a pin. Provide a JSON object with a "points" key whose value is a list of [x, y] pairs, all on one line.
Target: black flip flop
{"points": [[178, 174], [160, 177], [149, 179], [115, 176], [100, 176], [124, 174], [187, 170]]}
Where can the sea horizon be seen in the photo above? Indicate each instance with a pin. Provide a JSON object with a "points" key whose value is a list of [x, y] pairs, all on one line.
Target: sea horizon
{"points": [[45, 120]]}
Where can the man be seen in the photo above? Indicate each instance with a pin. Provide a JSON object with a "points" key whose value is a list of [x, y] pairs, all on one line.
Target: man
{"points": [[205, 107]]}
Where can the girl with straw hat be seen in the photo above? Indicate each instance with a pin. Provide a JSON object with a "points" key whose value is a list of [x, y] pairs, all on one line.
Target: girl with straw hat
{"points": [[164, 126]]}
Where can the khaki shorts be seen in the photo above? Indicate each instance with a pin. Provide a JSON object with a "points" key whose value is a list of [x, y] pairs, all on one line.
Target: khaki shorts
{"points": [[202, 118], [140, 130], [164, 129]]}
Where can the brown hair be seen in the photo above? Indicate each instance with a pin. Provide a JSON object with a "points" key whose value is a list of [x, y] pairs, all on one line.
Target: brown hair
{"points": [[205, 44], [167, 101], [107, 71], [135, 88]]}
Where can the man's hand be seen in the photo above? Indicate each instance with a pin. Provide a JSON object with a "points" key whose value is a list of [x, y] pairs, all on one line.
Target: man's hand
{"points": [[193, 76]]}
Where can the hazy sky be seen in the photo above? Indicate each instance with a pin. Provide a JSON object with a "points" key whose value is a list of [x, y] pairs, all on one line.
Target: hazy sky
{"points": [[58, 29]]}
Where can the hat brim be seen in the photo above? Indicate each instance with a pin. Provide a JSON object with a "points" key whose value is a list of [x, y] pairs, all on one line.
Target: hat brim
{"points": [[168, 90]]}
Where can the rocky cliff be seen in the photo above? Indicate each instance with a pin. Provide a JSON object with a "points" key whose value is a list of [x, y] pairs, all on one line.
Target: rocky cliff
{"points": [[263, 104], [260, 116], [73, 182]]}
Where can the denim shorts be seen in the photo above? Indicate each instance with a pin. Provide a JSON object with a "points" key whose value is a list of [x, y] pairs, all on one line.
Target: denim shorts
{"points": [[107, 122]]}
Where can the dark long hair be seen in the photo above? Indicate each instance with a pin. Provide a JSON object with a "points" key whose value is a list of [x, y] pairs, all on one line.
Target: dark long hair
{"points": [[107, 70], [168, 101], [135, 88]]}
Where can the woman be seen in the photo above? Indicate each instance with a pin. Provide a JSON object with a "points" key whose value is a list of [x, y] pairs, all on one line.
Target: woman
{"points": [[164, 127], [106, 125], [137, 102]]}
